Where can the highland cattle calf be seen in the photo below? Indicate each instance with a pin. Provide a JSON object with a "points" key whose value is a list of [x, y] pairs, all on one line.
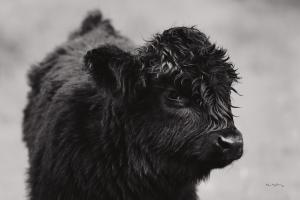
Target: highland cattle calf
{"points": [[107, 120]]}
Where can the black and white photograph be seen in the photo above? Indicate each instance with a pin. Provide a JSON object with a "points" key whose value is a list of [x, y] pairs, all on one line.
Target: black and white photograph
{"points": [[149, 100]]}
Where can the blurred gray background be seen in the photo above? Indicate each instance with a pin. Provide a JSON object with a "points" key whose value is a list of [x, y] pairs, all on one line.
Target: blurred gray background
{"points": [[263, 39]]}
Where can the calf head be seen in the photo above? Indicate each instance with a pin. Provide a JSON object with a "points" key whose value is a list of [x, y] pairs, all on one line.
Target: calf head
{"points": [[172, 99]]}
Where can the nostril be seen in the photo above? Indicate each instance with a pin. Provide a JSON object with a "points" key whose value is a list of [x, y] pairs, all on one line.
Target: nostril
{"points": [[224, 143]]}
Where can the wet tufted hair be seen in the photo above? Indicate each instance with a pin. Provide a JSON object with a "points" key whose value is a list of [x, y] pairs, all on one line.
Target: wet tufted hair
{"points": [[185, 57]]}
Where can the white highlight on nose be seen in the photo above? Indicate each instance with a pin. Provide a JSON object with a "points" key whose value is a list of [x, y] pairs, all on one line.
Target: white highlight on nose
{"points": [[231, 140]]}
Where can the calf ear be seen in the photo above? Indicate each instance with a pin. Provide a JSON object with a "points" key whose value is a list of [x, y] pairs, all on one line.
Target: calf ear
{"points": [[113, 69]]}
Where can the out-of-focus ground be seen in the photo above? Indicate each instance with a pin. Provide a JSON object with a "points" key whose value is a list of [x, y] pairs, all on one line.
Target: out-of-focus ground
{"points": [[263, 38]]}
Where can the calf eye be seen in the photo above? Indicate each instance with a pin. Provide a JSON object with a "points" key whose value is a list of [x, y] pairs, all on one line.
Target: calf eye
{"points": [[176, 98]]}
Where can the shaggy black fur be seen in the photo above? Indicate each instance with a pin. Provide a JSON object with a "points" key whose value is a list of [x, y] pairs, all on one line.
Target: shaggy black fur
{"points": [[109, 121]]}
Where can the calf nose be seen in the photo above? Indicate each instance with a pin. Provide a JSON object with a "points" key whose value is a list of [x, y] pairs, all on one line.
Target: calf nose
{"points": [[227, 143], [231, 143]]}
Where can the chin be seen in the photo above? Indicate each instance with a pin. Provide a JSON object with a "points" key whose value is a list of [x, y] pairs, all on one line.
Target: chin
{"points": [[221, 164], [208, 165]]}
